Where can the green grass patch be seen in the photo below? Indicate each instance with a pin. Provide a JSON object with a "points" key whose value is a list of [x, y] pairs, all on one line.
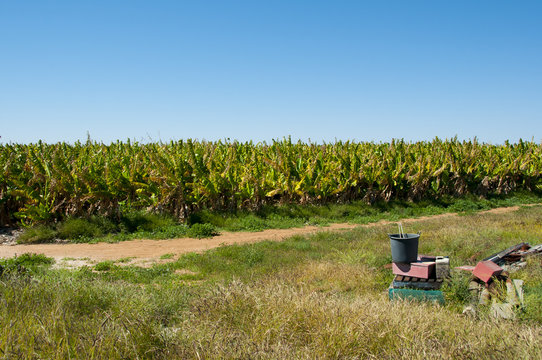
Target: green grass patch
{"points": [[202, 231], [25, 264], [105, 266], [78, 229], [134, 225], [37, 234]]}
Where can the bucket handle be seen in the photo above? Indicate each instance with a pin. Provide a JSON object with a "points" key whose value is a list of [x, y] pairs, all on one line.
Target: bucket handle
{"points": [[419, 233]]}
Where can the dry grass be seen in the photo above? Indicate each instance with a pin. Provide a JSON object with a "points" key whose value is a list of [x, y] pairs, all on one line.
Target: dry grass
{"points": [[278, 321]]}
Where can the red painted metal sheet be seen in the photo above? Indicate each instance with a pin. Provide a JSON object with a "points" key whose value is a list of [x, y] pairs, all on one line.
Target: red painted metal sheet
{"points": [[484, 270]]}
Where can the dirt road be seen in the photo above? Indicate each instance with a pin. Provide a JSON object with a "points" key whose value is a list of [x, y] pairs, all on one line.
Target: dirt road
{"points": [[152, 249]]}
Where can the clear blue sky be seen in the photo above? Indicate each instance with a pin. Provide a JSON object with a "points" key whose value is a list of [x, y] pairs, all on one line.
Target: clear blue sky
{"points": [[258, 70]]}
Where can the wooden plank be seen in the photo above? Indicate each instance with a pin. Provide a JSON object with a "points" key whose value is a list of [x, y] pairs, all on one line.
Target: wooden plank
{"points": [[497, 258]]}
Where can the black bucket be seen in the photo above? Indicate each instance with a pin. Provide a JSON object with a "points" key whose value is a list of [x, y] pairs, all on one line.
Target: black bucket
{"points": [[404, 247]]}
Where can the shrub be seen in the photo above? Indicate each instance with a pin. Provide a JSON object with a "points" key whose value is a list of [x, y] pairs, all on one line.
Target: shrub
{"points": [[202, 231], [141, 221], [20, 264], [78, 228], [38, 234], [104, 266]]}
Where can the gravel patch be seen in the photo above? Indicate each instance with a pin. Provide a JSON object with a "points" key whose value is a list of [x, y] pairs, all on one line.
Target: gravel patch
{"points": [[8, 236]]}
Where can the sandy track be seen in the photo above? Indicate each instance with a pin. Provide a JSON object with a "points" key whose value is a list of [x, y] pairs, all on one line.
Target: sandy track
{"points": [[153, 249]]}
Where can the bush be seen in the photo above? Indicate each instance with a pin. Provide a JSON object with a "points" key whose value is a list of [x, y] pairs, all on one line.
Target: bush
{"points": [[106, 225], [38, 234], [104, 266], [78, 228], [202, 231], [20, 264], [141, 221]]}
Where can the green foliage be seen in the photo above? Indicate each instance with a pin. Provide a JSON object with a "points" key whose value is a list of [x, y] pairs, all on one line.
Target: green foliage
{"points": [[456, 290], [24, 263], [205, 223], [533, 302], [141, 221], [202, 231], [248, 222], [37, 234], [42, 183], [104, 224], [532, 275], [99, 228], [132, 274], [77, 229], [104, 265], [28, 260]]}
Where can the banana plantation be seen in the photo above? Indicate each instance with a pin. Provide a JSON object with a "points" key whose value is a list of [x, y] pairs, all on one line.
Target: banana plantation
{"points": [[41, 182]]}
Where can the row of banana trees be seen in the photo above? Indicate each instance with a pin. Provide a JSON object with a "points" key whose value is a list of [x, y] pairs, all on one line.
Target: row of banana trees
{"points": [[45, 182]]}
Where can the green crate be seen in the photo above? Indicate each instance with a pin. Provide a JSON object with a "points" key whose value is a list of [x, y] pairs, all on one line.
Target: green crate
{"points": [[413, 294]]}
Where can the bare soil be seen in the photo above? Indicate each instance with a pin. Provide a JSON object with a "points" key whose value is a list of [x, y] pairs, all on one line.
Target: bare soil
{"points": [[144, 252]]}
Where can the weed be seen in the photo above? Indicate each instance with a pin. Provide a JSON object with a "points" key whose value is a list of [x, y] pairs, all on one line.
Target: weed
{"points": [[37, 234], [139, 221], [202, 231], [456, 290], [33, 263], [29, 260], [105, 266], [77, 228]]}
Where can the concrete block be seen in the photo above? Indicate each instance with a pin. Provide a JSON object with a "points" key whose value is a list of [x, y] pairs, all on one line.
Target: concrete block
{"points": [[503, 311], [511, 295], [518, 286]]}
